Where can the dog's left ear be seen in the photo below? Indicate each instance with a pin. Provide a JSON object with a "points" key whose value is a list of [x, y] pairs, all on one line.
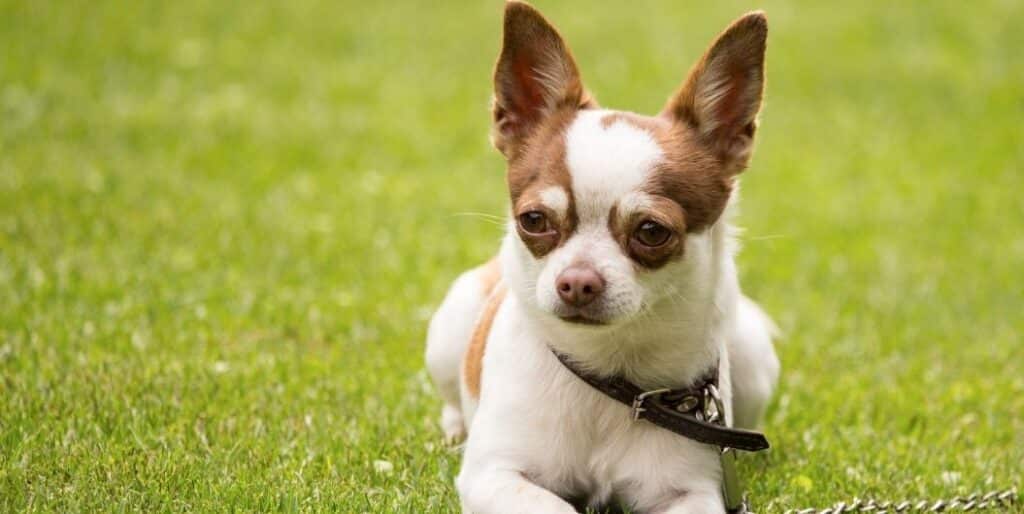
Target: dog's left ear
{"points": [[722, 95]]}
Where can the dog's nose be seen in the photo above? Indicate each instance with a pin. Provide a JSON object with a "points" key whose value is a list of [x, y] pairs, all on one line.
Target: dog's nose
{"points": [[579, 285]]}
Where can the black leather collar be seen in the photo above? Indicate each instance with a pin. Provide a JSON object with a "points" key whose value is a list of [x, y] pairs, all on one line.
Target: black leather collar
{"points": [[678, 410]]}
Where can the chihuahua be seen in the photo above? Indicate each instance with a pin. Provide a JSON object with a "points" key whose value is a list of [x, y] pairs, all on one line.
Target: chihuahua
{"points": [[619, 258]]}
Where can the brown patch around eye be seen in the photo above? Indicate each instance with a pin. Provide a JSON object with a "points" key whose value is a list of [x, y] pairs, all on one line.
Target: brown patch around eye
{"points": [[540, 240], [692, 178], [661, 211], [539, 166], [689, 174]]}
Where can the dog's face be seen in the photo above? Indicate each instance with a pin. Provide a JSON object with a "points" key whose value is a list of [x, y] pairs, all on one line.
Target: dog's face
{"points": [[611, 210]]}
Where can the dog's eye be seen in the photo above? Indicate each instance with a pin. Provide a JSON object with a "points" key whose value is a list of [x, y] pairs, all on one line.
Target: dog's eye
{"points": [[651, 234], [534, 222]]}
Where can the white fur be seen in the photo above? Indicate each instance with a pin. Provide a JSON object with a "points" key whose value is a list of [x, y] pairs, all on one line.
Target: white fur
{"points": [[556, 199], [448, 336], [606, 162], [633, 202], [537, 433], [607, 165]]}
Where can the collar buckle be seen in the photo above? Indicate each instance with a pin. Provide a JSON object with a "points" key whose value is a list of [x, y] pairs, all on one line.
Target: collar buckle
{"points": [[638, 401], [714, 409]]}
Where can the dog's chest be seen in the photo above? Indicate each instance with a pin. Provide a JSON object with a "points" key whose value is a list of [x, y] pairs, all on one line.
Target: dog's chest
{"points": [[572, 439], [604, 457]]}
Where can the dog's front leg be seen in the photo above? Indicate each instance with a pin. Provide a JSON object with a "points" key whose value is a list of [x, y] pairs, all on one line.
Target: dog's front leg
{"points": [[505, 491], [696, 502]]}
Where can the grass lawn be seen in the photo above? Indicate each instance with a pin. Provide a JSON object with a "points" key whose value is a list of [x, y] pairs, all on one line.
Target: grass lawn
{"points": [[223, 226]]}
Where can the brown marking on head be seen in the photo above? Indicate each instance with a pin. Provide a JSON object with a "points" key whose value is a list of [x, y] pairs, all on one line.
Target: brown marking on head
{"points": [[472, 364], [662, 210], [691, 175], [648, 123], [538, 166], [686, 192], [537, 93]]}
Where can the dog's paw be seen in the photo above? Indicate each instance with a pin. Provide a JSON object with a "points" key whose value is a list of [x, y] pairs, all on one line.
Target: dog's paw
{"points": [[453, 425]]}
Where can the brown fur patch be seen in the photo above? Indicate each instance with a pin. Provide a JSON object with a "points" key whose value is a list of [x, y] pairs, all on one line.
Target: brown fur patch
{"points": [[691, 176], [689, 173], [537, 94], [472, 364], [541, 164], [664, 211], [689, 188]]}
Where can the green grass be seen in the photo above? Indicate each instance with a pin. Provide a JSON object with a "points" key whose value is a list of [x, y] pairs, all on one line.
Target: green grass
{"points": [[223, 226]]}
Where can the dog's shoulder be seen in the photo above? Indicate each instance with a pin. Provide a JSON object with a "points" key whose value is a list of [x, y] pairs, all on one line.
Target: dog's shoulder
{"points": [[489, 276]]}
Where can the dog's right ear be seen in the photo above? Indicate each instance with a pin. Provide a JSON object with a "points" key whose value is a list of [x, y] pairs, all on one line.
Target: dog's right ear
{"points": [[535, 76]]}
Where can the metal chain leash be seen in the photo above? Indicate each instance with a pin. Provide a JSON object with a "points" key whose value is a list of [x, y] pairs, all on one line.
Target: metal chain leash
{"points": [[999, 499], [736, 501]]}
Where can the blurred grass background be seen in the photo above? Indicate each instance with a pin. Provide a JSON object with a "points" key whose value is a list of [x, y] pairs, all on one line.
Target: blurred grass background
{"points": [[223, 226]]}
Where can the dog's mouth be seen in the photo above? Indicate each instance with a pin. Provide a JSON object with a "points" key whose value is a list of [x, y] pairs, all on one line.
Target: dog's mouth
{"points": [[592, 316], [579, 319]]}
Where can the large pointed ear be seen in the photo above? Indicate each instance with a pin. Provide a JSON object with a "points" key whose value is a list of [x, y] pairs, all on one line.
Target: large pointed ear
{"points": [[722, 95], [535, 76]]}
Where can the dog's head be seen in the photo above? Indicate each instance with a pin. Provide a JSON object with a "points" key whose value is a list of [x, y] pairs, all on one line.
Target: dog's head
{"points": [[611, 210]]}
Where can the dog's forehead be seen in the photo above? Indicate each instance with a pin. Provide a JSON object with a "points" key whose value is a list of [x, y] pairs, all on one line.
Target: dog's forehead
{"points": [[609, 155], [583, 164]]}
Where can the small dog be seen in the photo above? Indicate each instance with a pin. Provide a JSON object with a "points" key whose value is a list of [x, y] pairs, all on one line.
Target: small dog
{"points": [[619, 256]]}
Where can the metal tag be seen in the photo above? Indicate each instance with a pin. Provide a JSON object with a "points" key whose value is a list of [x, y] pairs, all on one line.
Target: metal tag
{"points": [[732, 492]]}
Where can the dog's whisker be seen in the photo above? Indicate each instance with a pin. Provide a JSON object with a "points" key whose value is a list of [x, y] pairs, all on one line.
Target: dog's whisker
{"points": [[480, 215], [490, 218], [768, 237]]}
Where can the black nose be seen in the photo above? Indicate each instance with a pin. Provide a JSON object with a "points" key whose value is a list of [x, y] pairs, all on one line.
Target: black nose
{"points": [[579, 285]]}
